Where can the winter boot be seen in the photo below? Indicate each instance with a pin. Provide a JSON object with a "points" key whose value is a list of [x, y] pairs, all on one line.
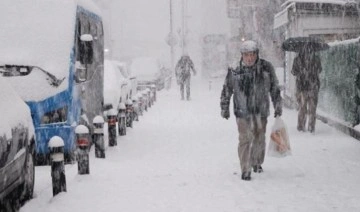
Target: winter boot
{"points": [[246, 176], [258, 169], [300, 129]]}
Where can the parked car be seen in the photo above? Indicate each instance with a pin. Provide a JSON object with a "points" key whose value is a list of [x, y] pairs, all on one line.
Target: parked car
{"points": [[60, 76], [131, 80], [17, 148], [148, 71], [113, 86]]}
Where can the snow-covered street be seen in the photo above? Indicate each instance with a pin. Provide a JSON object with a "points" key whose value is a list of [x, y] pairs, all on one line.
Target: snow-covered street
{"points": [[182, 156]]}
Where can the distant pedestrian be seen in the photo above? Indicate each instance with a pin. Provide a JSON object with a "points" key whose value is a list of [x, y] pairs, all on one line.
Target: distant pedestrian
{"points": [[252, 83], [306, 68], [182, 71]]}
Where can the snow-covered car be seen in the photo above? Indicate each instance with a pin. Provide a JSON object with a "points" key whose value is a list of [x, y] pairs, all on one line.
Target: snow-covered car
{"points": [[17, 148], [115, 86], [131, 80], [57, 71], [148, 70]]}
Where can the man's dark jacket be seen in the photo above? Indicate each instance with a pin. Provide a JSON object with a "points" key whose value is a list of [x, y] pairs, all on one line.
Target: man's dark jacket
{"points": [[306, 69], [252, 88]]}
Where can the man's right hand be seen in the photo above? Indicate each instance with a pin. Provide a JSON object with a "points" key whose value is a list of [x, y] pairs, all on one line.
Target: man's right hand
{"points": [[225, 114]]}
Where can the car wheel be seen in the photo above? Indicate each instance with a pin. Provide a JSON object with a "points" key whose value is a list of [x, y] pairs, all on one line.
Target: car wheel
{"points": [[27, 188]]}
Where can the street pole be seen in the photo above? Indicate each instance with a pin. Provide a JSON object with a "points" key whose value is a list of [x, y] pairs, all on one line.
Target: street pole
{"points": [[172, 49], [183, 26]]}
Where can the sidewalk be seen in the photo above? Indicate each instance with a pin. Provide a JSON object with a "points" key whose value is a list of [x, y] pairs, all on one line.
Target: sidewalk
{"points": [[182, 156], [339, 125], [331, 121]]}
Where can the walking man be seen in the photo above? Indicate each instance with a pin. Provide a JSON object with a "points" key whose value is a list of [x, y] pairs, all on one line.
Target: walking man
{"points": [[182, 71], [306, 68], [251, 84]]}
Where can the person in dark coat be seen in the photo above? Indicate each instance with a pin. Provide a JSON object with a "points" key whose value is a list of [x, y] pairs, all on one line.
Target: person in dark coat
{"points": [[306, 69], [182, 71], [251, 84]]}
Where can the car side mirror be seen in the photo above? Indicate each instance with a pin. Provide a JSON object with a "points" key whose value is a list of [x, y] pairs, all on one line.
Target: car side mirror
{"points": [[107, 107], [86, 49], [80, 72]]}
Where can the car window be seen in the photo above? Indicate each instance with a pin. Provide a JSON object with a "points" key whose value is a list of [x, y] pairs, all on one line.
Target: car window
{"points": [[56, 116]]}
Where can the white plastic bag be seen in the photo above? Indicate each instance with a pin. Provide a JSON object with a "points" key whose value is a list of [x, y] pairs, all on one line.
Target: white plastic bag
{"points": [[279, 145]]}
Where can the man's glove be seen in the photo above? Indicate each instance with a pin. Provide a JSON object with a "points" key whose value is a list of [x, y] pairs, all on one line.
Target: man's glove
{"points": [[225, 114], [278, 112]]}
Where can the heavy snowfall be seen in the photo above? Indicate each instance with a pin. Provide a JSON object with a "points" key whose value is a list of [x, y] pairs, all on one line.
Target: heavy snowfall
{"points": [[182, 156]]}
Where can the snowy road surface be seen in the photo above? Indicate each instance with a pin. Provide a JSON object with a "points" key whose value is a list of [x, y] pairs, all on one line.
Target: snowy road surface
{"points": [[181, 157]]}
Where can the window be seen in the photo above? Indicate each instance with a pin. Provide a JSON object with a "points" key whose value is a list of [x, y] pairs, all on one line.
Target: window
{"points": [[56, 116]]}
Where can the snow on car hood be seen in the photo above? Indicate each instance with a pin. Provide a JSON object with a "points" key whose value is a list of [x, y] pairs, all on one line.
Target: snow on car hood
{"points": [[14, 111], [38, 33]]}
